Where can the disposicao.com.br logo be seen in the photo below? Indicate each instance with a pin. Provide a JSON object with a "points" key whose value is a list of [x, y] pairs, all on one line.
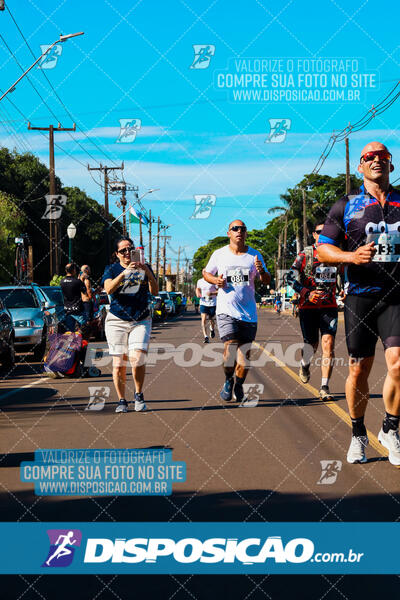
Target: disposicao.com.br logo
{"points": [[248, 551]]}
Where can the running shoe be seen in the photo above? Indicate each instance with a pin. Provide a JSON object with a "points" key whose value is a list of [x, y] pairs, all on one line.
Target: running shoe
{"points": [[304, 373], [139, 403], [391, 441], [238, 392], [356, 452], [122, 406], [324, 393], [226, 392], [212, 333], [206, 340]]}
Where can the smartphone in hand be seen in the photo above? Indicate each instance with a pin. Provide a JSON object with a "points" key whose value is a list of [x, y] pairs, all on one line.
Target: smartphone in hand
{"points": [[135, 255]]}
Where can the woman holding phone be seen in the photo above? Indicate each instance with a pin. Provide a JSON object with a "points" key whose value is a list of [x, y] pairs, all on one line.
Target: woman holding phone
{"points": [[128, 324]]}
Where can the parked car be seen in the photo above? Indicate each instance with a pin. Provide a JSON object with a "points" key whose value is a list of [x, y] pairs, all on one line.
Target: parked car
{"points": [[34, 316], [176, 297], [54, 293], [100, 309], [169, 303], [103, 300], [7, 335], [158, 309]]}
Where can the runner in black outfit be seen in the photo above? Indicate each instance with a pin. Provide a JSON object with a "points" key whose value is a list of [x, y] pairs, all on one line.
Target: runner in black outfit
{"points": [[362, 231]]}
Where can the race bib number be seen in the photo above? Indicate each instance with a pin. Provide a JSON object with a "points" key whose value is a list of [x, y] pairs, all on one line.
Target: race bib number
{"points": [[387, 246], [325, 274], [238, 276], [131, 283]]}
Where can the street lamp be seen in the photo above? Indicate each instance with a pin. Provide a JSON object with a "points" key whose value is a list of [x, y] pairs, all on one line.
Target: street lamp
{"points": [[63, 38], [150, 191], [71, 232]]}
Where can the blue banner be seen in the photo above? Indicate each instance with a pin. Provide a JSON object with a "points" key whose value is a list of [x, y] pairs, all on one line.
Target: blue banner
{"points": [[213, 548]]}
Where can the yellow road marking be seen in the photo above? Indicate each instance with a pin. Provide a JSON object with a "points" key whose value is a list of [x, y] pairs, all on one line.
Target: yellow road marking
{"points": [[373, 440]]}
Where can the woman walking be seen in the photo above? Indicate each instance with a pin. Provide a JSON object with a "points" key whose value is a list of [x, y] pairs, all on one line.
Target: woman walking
{"points": [[128, 323]]}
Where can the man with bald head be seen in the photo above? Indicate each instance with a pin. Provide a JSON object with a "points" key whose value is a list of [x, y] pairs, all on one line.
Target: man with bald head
{"points": [[233, 269], [362, 231]]}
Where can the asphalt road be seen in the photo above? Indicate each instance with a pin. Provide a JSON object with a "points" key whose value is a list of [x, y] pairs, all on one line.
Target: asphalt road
{"points": [[243, 463]]}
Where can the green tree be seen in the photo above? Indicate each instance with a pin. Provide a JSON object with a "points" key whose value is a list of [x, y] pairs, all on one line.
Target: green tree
{"points": [[25, 180], [12, 222]]}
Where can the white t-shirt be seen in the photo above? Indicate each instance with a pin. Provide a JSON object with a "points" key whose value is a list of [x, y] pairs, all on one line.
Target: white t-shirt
{"points": [[206, 290], [236, 298]]}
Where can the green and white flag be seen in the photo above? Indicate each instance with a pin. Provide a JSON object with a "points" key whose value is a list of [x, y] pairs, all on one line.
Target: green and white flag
{"points": [[137, 217]]}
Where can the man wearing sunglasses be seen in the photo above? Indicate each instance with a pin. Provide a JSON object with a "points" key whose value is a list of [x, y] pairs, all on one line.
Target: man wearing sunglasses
{"points": [[233, 270], [362, 231], [316, 285]]}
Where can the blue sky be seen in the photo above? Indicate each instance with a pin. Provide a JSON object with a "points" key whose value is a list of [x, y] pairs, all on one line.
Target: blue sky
{"points": [[134, 63]]}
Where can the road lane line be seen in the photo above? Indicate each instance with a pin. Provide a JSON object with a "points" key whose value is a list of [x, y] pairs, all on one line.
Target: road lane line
{"points": [[23, 387], [343, 415]]}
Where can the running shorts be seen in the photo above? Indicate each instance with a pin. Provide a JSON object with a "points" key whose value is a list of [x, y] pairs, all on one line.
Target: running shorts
{"points": [[208, 310], [366, 318], [316, 320], [230, 328]]}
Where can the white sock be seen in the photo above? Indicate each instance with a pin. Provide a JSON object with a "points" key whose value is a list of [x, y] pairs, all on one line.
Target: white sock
{"points": [[324, 381]]}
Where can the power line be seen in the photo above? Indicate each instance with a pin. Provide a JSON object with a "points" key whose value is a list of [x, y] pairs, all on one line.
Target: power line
{"points": [[56, 93], [380, 108], [58, 97]]}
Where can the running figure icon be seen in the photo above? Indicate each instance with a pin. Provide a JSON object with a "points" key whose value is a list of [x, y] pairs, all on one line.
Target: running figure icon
{"points": [[62, 549]]}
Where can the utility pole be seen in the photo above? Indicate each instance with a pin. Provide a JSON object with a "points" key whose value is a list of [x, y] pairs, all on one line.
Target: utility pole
{"points": [[177, 269], [348, 185], [158, 250], [54, 254], [166, 237], [305, 236], [150, 246], [105, 170]]}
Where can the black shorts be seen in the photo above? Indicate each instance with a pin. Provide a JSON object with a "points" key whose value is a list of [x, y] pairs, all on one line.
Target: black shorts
{"points": [[316, 320], [367, 318], [208, 310]]}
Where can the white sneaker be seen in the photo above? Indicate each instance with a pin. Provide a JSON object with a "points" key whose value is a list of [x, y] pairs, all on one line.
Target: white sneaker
{"points": [[139, 403], [356, 452], [391, 441]]}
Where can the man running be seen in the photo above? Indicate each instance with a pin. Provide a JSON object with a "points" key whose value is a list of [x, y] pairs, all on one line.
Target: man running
{"points": [[237, 266], [318, 313], [362, 231], [208, 302]]}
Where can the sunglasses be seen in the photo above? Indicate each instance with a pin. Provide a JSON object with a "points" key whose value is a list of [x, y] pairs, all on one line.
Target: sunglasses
{"points": [[238, 228], [125, 250], [383, 155], [318, 231]]}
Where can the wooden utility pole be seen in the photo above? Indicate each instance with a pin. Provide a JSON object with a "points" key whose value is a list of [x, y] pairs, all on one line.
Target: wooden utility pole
{"points": [[158, 249], [348, 185], [123, 204], [166, 237], [284, 242], [150, 244], [305, 236], [105, 170], [177, 269], [54, 254], [140, 231]]}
